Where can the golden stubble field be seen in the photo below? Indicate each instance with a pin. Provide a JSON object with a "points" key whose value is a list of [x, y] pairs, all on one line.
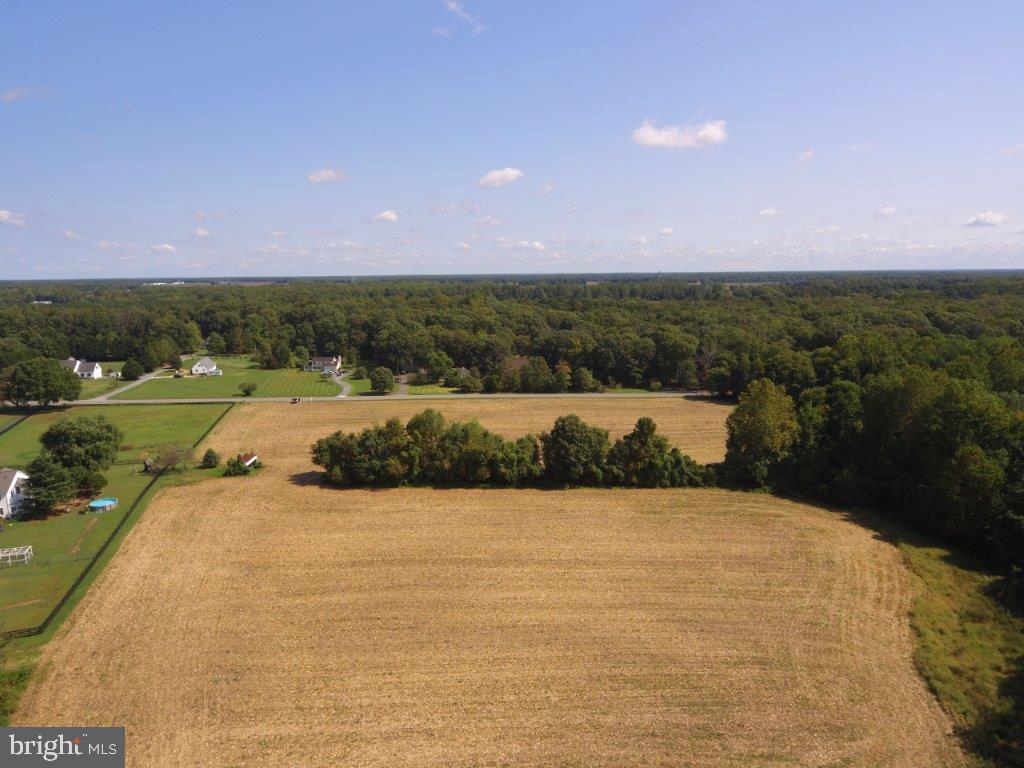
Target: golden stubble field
{"points": [[267, 621]]}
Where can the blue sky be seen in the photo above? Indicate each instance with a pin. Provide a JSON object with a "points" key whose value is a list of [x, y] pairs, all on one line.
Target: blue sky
{"points": [[306, 138]]}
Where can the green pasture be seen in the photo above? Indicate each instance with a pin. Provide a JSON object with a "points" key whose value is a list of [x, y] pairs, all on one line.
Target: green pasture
{"points": [[289, 382], [63, 542]]}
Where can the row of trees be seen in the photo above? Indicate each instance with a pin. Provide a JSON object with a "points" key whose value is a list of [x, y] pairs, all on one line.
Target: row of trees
{"points": [[429, 451], [941, 453]]}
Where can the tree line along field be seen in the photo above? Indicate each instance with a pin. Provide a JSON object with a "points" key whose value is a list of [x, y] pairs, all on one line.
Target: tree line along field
{"points": [[417, 627], [62, 543], [287, 382]]}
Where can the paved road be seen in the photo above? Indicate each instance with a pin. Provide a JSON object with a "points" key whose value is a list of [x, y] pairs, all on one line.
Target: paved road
{"points": [[393, 396]]}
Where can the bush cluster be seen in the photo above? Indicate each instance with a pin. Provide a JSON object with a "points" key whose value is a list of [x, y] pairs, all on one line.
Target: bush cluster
{"points": [[429, 451]]}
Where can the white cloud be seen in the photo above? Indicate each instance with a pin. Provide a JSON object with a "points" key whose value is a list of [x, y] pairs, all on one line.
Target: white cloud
{"points": [[639, 240], [680, 136], [165, 248], [770, 212], [489, 220], [388, 215], [71, 235], [805, 156], [499, 178], [830, 229], [859, 147], [200, 233], [1015, 149], [109, 246], [530, 245], [886, 212], [12, 219], [326, 176], [277, 233], [547, 188], [14, 94], [987, 219], [455, 7], [666, 231], [443, 31], [466, 207], [463, 246]]}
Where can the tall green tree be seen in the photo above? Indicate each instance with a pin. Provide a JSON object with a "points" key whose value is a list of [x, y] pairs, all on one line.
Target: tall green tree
{"points": [[49, 484], [761, 432], [575, 452], [382, 380], [39, 380]]}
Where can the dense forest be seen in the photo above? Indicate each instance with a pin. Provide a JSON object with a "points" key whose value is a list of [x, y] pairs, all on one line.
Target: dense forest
{"points": [[903, 392]]}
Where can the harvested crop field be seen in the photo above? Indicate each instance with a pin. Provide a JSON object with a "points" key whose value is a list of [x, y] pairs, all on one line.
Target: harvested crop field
{"points": [[283, 433], [267, 621]]}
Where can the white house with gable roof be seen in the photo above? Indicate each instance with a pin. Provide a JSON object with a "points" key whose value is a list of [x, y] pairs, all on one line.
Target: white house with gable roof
{"points": [[204, 366], [13, 484]]}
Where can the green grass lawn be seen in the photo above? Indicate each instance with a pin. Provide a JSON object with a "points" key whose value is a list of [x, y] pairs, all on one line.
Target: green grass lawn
{"points": [[237, 371], [9, 416], [431, 389], [626, 391], [291, 382], [95, 387], [359, 386], [62, 543]]}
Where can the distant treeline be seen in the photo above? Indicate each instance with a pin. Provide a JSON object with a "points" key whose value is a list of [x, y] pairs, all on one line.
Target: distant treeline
{"points": [[429, 451], [673, 331]]}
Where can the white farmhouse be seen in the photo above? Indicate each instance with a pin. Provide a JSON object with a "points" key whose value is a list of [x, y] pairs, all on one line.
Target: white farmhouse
{"points": [[323, 364], [82, 369], [204, 366], [12, 491]]}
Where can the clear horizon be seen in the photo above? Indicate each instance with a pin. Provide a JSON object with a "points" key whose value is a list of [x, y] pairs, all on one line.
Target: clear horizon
{"points": [[464, 137]]}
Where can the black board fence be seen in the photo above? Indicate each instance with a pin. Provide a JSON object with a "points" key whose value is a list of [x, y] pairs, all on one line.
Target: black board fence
{"points": [[13, 424], [46, 622]]}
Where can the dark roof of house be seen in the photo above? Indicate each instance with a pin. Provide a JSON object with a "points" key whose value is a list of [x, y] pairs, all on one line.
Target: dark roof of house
{"points": [[8, 477], [88, 367], [69, 363], [322, 360], [205, 362], [245, 458]]}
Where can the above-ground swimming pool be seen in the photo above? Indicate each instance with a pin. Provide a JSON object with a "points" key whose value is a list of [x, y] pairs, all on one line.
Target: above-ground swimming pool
{"points": [[102, 505]]}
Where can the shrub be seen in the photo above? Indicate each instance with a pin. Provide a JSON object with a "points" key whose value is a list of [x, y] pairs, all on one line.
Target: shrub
{"points": [[211, 459], [235, 468], [132, 370], [247, 388]]}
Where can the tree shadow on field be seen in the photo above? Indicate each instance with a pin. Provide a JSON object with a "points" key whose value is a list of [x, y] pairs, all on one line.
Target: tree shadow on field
{"points": [[310, 478]]}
